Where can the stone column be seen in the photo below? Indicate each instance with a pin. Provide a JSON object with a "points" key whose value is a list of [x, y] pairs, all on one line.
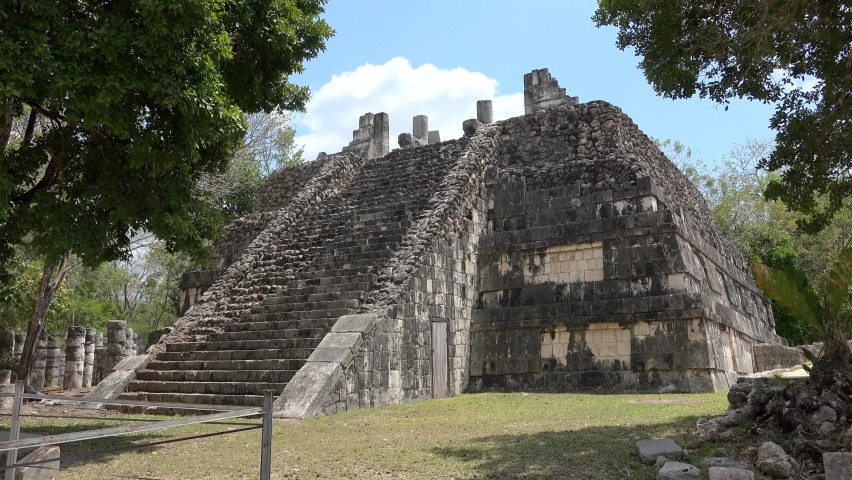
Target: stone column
{"points": [[381, 135], [116, 348], [129, 345], [40, 363], [100, 359], [135, 343], [54, 359], [75, 357], [89, 357], [484, 112], [420, 131], [434, 137]]}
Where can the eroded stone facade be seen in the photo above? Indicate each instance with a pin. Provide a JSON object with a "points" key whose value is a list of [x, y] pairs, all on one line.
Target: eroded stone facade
{"points": [[560, 250]]}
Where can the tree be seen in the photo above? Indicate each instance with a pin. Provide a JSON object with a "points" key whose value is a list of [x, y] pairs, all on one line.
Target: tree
{"points": [[136, 102], [797, 55], [269, 144], [790, 288]]}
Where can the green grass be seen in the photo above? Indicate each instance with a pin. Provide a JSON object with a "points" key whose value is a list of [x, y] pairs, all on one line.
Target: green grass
{"points": [[495, 435]]}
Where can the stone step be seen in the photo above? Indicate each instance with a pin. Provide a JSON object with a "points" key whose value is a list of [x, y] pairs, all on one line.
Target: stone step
{"points": [[295, 289], [262, 334], [370, 242], [281, 327], [193, 398], [261, 340], [283, 305], [238, 355], [294, 363], [281, 312], [270, 376], [290, 323], [210, 388], [351, 259], [312, 298]]}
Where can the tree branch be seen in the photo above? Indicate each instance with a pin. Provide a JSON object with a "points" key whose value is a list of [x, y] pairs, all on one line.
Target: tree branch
{"points": [[28, 134]]}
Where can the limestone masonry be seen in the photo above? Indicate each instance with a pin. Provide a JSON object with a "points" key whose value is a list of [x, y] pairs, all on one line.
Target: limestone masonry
{"points": [[560, 250]]}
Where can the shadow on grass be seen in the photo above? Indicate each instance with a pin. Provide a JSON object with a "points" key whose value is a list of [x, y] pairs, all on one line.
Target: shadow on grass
{"points": [[606, 452], [106, 449]]}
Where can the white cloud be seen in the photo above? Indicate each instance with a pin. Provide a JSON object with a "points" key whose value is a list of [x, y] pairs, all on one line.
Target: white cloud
{"points": [[447, 97]]}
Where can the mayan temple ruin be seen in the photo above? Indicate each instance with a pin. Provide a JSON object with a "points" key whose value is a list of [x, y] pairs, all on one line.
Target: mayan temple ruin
{"points": [[556, 251]]}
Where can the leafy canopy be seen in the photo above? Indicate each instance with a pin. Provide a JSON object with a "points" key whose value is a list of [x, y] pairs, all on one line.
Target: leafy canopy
{"points": [[134, 102], [795, 54]]}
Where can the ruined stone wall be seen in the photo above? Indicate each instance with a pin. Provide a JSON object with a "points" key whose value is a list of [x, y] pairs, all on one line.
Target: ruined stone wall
{"points": [[602, 269], [222, 302], [432, 276], [277, 190]]}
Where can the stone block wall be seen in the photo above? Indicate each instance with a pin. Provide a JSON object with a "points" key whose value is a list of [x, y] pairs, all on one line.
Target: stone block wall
{"points": [[432, 277], [563, 250], [597, 248]]}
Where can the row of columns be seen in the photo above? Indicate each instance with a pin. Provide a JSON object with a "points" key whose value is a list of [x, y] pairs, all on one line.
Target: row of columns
{"points": [[86, 360]]}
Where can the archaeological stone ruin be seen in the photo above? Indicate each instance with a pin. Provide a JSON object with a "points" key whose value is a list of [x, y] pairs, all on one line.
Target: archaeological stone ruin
{"points": [[556, 251]]}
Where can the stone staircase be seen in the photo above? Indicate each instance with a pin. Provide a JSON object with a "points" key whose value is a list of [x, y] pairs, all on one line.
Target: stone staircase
{"points": [[320, 272]]}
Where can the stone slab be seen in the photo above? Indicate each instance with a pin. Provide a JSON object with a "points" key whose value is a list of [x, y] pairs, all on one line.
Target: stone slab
{"points": [[342, 340], [135, 363], [649, 450], [304, 394], [729, 473], [679, 471], [341, 356], [361, 323], [49, 454], [114, 384], [838, 465]]}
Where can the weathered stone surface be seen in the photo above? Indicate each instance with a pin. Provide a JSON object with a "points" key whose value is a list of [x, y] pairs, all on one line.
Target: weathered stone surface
{"points": [[332, 354], [649, 450], [678, 471], [730, 473], [115, 383], [420, 130], [484, 111], [725, 462], [838, 465], [823, 414], [48, 466], [470, 126], [304, 395], [542, 91], [75, 353], [555, 251], [361, 323], [774, 461], [405, 140], [434, 136]]}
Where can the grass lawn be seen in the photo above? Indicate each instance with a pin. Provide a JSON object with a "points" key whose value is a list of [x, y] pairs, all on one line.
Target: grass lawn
{"points": [[494, 435]]}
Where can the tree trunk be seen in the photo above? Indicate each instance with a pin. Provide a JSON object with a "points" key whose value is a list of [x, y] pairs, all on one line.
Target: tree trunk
{"points": [[46, 290], [6, 121], [835, 357]]}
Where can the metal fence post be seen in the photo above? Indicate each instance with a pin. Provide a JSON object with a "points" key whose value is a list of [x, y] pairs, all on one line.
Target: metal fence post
{"points": [[266, 437], [15, 429]]}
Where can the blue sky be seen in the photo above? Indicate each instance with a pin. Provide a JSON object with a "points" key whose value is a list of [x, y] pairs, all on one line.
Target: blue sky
{"points": [[437, 57]]}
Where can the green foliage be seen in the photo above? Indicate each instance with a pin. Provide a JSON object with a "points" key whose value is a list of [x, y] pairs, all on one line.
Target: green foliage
{"points": [[791, 290], [269, 143], [135, 102], [8, 362], [792, 54]]}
